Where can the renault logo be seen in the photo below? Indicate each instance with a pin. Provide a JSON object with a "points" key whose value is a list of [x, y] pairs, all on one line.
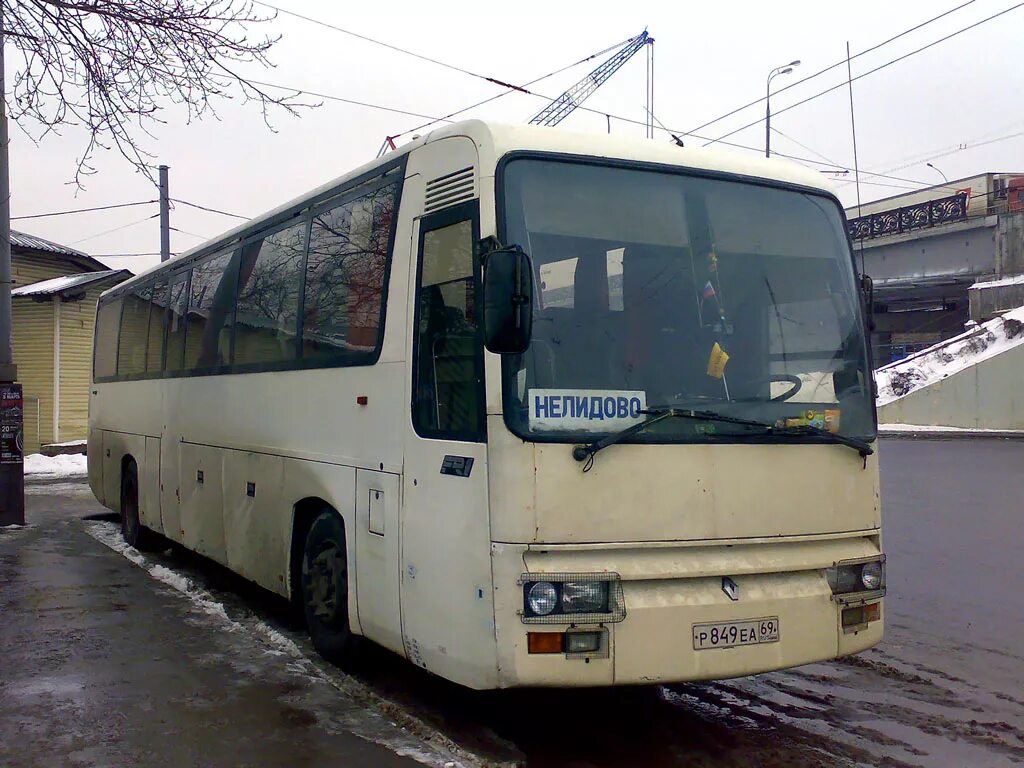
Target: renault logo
{"points": [[730, 588]]}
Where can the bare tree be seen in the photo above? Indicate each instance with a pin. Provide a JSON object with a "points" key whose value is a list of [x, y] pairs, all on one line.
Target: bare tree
{"points": [[111, 67]]}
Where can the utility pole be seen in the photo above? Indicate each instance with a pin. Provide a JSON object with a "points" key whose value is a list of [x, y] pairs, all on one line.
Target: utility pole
{"points": [[165, 216], [12, 474]]}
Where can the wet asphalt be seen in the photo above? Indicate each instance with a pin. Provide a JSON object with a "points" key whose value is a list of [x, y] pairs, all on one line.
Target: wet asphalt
{"points": [[180, 663]]}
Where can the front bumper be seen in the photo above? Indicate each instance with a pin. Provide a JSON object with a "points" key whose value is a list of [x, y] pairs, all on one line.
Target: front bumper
{"points": [[668, 589]]}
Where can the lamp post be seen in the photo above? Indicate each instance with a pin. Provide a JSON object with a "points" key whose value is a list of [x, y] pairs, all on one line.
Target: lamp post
{"points": [[783, 70], [938, 171]]}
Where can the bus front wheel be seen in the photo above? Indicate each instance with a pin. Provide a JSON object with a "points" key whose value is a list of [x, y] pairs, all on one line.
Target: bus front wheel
{"points": [[325, 591]]}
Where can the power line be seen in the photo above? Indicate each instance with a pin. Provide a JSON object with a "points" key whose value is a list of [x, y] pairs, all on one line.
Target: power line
{"points": [[514, 89], [524, 89], [804, 146], [872, 71], [190, 234], [210, 210], [829, 68], [330, 97], [381, 43], [115, 229], [83, 210]]}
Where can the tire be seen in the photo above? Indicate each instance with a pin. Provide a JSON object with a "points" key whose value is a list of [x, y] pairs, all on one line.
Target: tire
{"points": [[325, 591], [131, 526]]}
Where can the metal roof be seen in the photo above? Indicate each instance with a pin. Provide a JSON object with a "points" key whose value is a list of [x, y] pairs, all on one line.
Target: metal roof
{"points": [[62, 285], [39, 244]]}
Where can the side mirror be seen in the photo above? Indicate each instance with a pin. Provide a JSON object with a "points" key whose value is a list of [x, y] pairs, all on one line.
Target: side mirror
{"points": [[867, 292], [508, 300]]}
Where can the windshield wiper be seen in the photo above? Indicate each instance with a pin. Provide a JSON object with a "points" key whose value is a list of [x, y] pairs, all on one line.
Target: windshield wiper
{"points": [[586, 452], [862, 447]]}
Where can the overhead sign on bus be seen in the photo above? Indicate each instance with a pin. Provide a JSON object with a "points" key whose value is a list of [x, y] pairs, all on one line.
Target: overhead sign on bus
{"points": [[585, 410]]}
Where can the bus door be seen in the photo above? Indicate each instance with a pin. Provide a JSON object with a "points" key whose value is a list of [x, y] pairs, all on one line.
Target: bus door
{"points": [[446, 585]]}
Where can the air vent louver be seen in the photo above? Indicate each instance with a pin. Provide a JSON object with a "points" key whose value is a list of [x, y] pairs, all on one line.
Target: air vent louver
{"points": [[450, 189]]}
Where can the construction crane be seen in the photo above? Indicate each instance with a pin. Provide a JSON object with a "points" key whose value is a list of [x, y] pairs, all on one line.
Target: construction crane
{"points": [[564, 105]]}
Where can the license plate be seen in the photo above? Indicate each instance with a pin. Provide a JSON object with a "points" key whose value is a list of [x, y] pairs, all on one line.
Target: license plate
{"points": [[728, 634]]}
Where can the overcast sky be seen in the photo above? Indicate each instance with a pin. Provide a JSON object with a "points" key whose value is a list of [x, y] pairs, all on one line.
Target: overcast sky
{"points": [[954, 104]]}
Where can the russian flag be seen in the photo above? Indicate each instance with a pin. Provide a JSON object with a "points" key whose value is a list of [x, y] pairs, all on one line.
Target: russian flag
{"points": [[709, 290]]}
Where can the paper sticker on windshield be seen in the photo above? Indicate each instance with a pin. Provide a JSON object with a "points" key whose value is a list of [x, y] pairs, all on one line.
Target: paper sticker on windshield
{"points": [[585, 410]]}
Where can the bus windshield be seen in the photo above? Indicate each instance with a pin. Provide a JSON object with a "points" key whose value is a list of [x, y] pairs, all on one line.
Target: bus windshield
{"points": [[661, 289]]}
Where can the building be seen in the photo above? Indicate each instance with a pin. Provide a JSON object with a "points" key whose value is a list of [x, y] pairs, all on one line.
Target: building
{"points": [[925, 249], [54, 309]]}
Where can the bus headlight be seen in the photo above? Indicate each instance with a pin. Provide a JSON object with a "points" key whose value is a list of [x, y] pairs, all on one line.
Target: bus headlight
{"points": [[541, 598], [872, 575], [572, 598], [585, 597], [857, 576]]}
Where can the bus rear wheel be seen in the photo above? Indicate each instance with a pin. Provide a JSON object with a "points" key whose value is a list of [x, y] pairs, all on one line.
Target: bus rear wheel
{"points": [[131, 526], [325, 591]]}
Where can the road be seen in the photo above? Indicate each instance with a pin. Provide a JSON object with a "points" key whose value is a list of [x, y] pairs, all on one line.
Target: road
{"points": [[946, 687]]}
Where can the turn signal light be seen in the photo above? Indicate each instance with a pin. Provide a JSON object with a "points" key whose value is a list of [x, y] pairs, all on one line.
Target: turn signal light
{"points": [[544, 642]]}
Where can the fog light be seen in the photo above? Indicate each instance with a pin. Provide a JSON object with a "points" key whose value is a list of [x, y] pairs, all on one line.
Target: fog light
{"points": [[853, 616], [542, 598], [582, 642]]}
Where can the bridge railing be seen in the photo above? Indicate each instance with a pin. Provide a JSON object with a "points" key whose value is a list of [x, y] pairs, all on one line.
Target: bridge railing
{"points": [[908, 218]]}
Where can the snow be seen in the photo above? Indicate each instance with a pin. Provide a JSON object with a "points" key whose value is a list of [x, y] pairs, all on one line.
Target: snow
{"points": [[418, 739], [73, 465], [69, 444], [1015, 280], [942, 360], [939, 428]]}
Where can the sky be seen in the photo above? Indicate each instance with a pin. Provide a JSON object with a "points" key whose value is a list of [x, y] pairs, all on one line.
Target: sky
{"points": [[956, 104]]}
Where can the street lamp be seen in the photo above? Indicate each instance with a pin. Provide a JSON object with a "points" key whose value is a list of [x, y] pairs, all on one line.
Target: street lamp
{"points": [[783, 70], [939, 172]]}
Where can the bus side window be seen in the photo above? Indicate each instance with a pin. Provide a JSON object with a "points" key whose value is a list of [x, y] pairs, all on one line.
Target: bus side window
{"points": [[345, 276], [210, 305], [131, 348], [157, 312], [266, 311], [448, 396], [108, 318], [178, 304]]}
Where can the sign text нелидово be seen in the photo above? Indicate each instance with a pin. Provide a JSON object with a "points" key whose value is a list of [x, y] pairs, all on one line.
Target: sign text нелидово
{"points": [[582, 410]]}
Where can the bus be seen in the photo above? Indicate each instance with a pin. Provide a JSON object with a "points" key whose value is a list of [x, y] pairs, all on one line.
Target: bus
{"points": [[523, 406]]}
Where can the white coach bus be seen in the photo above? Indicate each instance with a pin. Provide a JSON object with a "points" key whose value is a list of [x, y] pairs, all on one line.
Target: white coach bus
{"points": [[526, 407]]}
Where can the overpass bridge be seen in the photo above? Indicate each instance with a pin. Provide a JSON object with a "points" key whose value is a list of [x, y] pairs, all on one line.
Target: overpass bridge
{"points": [[925, 249]]}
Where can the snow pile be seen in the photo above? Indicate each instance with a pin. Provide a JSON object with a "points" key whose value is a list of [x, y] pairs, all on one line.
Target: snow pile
{"points": [[948, 357], [1015, 280], [73, 465]]}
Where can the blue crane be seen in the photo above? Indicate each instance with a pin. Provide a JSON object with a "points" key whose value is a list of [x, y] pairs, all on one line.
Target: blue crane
{"points": [[564, 105]]}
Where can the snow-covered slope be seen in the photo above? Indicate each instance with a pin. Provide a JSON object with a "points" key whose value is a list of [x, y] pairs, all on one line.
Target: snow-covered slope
{"points": [[932, 365]]}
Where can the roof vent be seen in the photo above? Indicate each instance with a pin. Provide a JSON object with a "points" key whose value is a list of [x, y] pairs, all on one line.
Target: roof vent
{"points": [[450, 189]]}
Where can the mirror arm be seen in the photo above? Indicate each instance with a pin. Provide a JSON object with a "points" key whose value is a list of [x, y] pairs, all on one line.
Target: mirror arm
{"points": [[487, 246]]}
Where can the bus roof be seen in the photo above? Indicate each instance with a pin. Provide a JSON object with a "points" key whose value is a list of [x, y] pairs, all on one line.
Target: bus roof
{"points": [[494, 140]]}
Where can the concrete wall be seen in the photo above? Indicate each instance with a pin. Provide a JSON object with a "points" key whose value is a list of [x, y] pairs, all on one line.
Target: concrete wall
{"points": [[989, 395], [1010, 244], [967, 248]]}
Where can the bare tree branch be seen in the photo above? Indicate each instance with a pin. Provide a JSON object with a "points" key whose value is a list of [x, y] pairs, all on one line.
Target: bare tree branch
{"points": [[111, 67]]}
